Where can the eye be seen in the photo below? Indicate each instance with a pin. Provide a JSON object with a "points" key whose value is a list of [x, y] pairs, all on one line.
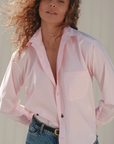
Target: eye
{"points": [[61, 1]]}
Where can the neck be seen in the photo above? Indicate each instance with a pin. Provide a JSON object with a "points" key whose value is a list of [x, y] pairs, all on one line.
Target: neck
{"points": [[49, 39]]}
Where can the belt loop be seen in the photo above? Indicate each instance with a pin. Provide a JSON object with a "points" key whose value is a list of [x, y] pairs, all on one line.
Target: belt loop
{"points": [[41, 128]]}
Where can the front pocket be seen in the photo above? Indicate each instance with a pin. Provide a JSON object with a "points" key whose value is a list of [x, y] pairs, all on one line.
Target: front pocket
{"points": [[76, 84], [32, 130]]}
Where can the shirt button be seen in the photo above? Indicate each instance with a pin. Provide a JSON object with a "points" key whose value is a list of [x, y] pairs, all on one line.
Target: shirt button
{"points": [[37, 114], [62, 115]]}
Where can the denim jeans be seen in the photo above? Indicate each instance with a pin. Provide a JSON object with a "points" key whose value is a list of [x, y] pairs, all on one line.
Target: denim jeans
{"points": [[38, 135], [96, 142]]}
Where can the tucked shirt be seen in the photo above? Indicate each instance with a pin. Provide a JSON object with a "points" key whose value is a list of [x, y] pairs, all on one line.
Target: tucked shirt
{"points": [[69, 104]]}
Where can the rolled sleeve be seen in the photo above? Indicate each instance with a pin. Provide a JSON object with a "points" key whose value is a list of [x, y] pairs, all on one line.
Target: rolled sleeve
{"points": [[102, 68], [10, 87]]}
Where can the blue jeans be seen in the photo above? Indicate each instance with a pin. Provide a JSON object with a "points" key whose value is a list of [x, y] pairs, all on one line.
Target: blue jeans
{"points": [[38, 135]]}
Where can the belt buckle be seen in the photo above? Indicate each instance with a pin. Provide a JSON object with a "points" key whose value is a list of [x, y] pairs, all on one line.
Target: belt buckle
{"points": [[56, 131]]}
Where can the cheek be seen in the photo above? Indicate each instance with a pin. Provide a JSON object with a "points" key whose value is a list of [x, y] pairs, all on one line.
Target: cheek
{"points": [[41, 9], [62, 13], [42, 6]]}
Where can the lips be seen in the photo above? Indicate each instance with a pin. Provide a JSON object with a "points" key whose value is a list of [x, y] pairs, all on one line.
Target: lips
{"points": [[51, 11]]}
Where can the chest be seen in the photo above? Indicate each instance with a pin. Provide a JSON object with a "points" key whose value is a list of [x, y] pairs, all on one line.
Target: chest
{"points": [[52, 58]]}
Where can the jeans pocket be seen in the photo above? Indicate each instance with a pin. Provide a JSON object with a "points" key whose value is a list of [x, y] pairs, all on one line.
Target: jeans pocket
{"points": [[32, 130]]}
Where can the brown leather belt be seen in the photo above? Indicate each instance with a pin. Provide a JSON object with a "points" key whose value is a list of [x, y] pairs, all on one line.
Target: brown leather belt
{"points": [[55, 130]]}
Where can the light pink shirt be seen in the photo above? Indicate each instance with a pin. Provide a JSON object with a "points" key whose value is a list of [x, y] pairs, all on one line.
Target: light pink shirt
{"points": [[80, 57]]}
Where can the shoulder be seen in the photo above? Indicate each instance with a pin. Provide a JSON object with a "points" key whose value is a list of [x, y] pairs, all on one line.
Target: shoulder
{"points": [[82, 36], [90, 41], [87, 41], [86, 37], [27, 59], [27, 54]]}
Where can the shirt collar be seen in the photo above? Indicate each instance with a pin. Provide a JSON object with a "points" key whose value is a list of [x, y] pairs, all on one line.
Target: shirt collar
{"points": [[37, 37]]}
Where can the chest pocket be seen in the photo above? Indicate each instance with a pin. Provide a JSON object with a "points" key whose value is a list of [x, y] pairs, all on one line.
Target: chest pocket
{"points": [[76, 84]]}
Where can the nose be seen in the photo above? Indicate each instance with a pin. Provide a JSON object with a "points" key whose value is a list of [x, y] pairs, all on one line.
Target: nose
{"points": [[52, 4]]}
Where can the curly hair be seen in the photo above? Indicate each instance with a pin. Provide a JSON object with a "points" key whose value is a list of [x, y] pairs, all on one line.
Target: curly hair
{"points": [[24, 17]]}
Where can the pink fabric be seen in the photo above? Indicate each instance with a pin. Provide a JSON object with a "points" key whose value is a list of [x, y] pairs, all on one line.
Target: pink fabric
{"points": [[46, 121], [80, 57]]}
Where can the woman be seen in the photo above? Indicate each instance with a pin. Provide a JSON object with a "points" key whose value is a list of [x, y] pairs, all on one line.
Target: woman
{"points": [[56, 62]]}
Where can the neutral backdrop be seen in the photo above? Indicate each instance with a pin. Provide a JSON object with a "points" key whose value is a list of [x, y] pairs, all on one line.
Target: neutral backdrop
{"points": [[97, 20]]}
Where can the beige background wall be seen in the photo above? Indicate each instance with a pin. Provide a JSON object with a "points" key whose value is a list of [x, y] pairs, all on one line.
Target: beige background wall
{"points": [[97, 20]]}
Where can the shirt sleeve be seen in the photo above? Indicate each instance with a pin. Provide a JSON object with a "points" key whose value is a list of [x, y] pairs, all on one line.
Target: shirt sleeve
{"points": [[10, 87], [102, 68]]}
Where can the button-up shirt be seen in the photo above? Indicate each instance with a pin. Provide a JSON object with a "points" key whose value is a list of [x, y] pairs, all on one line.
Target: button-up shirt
{"points": [[69, 104]]}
